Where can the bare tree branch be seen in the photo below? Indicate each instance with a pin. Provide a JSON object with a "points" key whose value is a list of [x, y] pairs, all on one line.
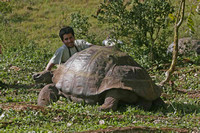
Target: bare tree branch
{"points": [[179, 20]]}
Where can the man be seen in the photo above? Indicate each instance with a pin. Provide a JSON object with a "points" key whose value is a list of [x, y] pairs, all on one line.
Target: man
{"points": [[70, 47]]}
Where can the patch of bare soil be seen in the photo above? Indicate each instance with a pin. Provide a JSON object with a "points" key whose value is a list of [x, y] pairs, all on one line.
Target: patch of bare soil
{"points": [[19, 106], [137, 129], [191, 94]]}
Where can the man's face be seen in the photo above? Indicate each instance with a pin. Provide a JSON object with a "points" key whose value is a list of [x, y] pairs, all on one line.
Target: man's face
{"points": [[68, 40]]}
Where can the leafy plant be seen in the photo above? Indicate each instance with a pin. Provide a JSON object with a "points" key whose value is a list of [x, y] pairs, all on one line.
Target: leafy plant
{"points": [[5, 8], [141, 25], [81, 26], [28, 46]]}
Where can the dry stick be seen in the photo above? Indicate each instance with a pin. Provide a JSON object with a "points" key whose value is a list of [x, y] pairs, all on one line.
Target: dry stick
{"points": [[179, 20]]}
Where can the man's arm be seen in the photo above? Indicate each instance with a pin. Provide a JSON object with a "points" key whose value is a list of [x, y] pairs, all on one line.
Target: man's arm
{"points": [[56, 59], [49, 66]]}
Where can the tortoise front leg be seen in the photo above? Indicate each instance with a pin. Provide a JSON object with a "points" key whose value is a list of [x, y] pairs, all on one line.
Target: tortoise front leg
{"points": [[47, 95], [111, 101], [113, 97]]}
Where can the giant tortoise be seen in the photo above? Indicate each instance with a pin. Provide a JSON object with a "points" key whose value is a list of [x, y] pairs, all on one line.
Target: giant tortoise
{"points": [[101, 75]]}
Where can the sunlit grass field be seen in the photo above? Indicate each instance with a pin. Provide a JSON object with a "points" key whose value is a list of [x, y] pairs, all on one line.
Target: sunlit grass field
{"points": [[29, 38]]}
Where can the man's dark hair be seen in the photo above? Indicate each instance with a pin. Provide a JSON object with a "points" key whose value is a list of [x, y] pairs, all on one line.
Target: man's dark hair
{"points": [[66, 30]]}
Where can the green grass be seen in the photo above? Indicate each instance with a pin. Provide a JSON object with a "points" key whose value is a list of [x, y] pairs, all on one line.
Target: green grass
{"points": [[182, 111], [28, 44]]}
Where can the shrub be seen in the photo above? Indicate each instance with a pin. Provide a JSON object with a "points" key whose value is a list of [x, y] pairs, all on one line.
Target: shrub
{"points": [[141, 25]]}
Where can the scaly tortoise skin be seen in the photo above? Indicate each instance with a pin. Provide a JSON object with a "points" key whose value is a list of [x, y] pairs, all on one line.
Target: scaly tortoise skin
{"points": [[99, 75]]}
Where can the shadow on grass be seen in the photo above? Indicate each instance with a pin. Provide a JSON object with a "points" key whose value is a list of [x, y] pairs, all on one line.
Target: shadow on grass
{"points": [[20, 86], [16, 89], [180, 108], [183, 108]]}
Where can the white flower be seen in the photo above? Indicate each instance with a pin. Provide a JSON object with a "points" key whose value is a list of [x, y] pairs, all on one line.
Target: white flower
{"points": [[156, 121], [2, 115], [69, 124], [31, 132], [101, 122], [134, 122]]}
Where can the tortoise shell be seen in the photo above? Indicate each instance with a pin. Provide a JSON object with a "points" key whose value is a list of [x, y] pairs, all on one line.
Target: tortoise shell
{"points": [[98, 69]]}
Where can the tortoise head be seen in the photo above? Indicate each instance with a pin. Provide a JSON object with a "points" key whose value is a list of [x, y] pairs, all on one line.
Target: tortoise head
{"points": [[43, 77]]}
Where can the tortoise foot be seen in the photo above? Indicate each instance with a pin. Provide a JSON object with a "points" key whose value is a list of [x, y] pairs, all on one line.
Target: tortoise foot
{"points": [[47, 95], [110, 103]]}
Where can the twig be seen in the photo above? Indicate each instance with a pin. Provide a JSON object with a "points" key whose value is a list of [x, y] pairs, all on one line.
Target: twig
{"points": [[179, 20]]}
